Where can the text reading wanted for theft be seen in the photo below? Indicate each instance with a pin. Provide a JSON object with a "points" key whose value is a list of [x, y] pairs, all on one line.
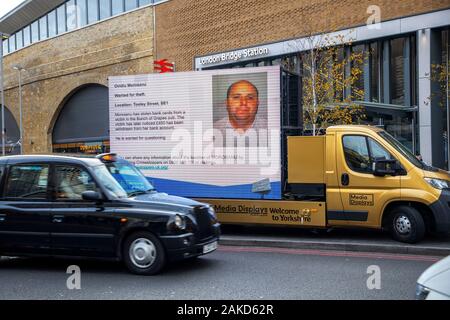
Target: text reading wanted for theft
{"points": [[361, 199]]}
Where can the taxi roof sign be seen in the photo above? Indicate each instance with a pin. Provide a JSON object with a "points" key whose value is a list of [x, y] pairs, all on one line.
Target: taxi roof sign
{"points": [[107, 157]]}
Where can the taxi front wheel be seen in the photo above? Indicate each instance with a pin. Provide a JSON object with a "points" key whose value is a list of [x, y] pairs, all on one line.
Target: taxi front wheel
{"points": [[143, 253], [407, 224]]}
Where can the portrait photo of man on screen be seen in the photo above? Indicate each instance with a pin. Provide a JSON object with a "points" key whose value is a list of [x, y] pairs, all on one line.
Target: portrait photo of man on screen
{"points": [[240, 108]]}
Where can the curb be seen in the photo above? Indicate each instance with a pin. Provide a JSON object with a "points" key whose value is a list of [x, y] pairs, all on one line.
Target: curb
{"points": [[336, 246]]}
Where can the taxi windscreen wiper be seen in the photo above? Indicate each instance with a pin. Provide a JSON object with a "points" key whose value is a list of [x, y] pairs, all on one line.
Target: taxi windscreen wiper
{"points": [[136, 193]]}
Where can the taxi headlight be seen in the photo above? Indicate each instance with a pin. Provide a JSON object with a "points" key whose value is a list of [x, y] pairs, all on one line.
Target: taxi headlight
{"points": [[438, 183], [180, 222], [212, 214]]}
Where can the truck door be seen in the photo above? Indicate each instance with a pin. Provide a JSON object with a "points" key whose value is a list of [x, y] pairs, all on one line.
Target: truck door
{"points": [[363, 194]]}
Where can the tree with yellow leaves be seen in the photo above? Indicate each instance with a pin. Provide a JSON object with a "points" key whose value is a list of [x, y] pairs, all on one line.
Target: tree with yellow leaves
{"points": [[331, 82]]}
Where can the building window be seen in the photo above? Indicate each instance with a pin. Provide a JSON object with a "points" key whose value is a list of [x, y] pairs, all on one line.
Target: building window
{"points": [[26, 36], [397, 71], [339, 91], [5, 47], [130, 5], [52, 23], [117, 7], [19, 39], [443, 74], [81, 13], [35, 32], [71, 14], [375, 72], [144, 2], [357, 65], [61, 15], [43, 31], [12, 43], [93, 15], [105, 9]]}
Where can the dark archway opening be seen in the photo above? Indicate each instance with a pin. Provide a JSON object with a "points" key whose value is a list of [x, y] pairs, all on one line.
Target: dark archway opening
{"points": [[83, 123], [12, 134]]}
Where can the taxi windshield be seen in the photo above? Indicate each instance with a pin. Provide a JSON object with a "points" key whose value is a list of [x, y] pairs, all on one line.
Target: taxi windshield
{"points": [[108, 182], [129, 178]]}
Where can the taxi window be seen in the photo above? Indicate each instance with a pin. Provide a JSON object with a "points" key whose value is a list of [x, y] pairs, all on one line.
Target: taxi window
{"points": [[72, 181], [27, 182]]}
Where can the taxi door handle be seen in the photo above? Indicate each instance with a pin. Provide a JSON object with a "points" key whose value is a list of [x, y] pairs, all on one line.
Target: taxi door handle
{"points": [[58, 219], [2, 217]]}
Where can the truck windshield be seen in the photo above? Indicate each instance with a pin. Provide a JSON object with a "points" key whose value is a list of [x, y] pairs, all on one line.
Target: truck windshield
{"points": [[108, 182], [129, 178], [402, 149]]}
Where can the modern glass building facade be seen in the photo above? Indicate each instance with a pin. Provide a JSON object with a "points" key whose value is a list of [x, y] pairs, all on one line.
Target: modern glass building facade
{"points": [[388, 78], [389, 81]]}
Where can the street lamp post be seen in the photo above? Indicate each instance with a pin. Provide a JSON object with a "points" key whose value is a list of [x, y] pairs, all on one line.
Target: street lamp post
{"points": [[19, 68]]}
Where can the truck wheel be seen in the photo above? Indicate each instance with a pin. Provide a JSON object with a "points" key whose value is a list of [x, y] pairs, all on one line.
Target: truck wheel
{"points": [[406, 224], [143, 253]]}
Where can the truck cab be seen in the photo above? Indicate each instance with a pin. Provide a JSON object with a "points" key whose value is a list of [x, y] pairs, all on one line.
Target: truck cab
{"points": [[369, 179]]}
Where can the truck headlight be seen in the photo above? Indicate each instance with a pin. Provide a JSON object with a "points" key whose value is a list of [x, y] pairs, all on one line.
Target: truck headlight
{"points": [[438, 183], [421, 292]]}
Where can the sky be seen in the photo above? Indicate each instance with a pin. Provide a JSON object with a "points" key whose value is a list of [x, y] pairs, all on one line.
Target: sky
{"points": [[7, 5]]}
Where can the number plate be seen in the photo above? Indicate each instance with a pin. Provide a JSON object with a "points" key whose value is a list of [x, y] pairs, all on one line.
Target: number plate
{"points": [[210, 247]]}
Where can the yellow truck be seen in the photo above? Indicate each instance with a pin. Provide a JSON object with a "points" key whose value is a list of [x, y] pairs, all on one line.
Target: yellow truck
{"points": [[353, 176]]}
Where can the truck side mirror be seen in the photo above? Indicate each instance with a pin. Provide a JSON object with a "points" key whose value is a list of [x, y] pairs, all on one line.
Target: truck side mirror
{"points": [[386, 167]]}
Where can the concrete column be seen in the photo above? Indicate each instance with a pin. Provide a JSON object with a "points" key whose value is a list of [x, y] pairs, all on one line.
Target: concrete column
{"points": [[424, 92], [386, 72], [431, 139]]}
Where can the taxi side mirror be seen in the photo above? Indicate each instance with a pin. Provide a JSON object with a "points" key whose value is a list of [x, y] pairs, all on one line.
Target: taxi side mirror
{"points": [[92, 196]]}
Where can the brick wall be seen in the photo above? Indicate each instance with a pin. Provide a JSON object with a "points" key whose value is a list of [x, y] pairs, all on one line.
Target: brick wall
{"points": [[185, 29], [58, 66]]}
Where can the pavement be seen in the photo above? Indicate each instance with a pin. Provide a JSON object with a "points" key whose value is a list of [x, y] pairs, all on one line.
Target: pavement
{"points": [[334, 239]]}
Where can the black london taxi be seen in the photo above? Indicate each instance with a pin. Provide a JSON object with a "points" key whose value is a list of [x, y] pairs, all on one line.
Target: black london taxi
{"points": [[99, 207]]}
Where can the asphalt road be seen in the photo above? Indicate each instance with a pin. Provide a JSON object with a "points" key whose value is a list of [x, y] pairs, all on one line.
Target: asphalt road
{"points": [[228, 273]]}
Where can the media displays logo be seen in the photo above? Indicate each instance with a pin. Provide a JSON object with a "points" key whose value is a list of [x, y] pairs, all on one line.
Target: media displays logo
{"points": [[361, 200]]}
